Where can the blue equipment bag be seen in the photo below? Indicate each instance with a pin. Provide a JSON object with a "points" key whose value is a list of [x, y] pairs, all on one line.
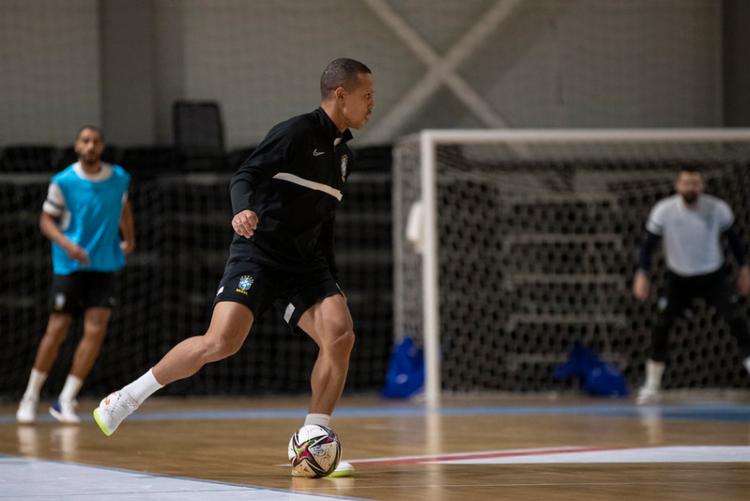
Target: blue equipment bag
{"points": [[405, 376], [599, 378]]}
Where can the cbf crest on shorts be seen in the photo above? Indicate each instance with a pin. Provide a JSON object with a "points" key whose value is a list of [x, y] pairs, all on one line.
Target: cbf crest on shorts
{"points": [[344, 162], [246, 281]]}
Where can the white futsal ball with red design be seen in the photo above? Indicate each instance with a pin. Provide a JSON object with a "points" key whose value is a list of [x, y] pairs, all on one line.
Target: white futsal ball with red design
{"points": [[314, 451]]}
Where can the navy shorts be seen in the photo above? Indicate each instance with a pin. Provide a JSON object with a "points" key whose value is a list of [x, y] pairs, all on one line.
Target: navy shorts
{"points": [[259, 286], [82, 290]]}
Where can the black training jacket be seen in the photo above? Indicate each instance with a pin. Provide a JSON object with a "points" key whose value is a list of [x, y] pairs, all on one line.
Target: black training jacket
{"points": [[293, 181]]}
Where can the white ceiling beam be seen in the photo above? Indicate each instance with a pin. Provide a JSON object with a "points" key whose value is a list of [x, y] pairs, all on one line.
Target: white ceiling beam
{"points": [[441, 70]]}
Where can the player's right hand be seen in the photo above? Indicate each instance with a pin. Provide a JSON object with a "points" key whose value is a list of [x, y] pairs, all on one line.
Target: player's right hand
{"points": [[77, 253], [641, 286], [244, 223]]}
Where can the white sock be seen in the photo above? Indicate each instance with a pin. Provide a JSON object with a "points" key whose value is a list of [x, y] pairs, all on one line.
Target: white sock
{"points": [[654, 371], [71, 388], [36, 380], [746, 363], [143, 387], [319, 419]]}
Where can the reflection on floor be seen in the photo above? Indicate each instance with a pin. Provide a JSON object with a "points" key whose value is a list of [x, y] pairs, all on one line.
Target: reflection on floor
{"points": [[471, 448]]}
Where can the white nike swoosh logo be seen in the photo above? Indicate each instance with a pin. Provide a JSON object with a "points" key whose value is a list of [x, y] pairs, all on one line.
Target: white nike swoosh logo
{"points": [[317, 153]]}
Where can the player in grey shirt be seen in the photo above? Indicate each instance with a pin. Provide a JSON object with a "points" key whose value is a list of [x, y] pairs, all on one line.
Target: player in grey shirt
{"points": [[691, 225]]}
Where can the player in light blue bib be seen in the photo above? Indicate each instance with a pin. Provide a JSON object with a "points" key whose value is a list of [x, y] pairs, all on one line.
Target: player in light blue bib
{"points": [[84, 215]]}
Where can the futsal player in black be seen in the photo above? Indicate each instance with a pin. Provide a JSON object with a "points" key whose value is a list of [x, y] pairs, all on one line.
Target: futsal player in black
{"points": [[284, 197], [691, 225]]}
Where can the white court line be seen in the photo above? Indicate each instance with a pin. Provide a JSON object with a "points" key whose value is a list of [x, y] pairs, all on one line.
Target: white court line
{"points": [[432, 458], [570, 454], [677, 454], [40, 480]]}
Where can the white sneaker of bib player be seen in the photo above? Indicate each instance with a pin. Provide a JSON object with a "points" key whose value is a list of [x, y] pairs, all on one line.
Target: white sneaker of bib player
{"points": [[647, 396], [26, 413], [65, 411], [113, 410]]}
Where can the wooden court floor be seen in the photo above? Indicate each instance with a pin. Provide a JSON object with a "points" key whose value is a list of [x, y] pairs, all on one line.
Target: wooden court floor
{"points": [[486, 448]]}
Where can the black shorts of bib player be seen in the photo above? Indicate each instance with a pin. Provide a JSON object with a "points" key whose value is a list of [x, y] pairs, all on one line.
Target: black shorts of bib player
{"points": [[83, 290], [284, 198]]}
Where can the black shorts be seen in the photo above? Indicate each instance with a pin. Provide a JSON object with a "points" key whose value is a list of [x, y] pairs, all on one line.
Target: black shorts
{"points": [[81, 290], [258, 287]]}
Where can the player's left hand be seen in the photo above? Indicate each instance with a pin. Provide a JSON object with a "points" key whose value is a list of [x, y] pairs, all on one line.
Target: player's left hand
{"points": [[743, 281], [127, 246]]}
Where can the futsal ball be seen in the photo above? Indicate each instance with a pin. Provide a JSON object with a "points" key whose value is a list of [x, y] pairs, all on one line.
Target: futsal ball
{"points": [[314, 451]]}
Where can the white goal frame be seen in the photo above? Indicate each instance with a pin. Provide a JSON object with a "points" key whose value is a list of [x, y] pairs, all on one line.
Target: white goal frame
{"points": [[515, 139]]}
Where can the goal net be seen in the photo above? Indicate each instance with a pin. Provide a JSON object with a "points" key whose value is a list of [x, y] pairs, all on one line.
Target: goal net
{"points": [[169, 283], [512, 246]]}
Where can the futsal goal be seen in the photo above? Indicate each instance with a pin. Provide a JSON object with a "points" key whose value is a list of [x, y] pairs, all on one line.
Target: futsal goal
{"points": [[510, 246]]}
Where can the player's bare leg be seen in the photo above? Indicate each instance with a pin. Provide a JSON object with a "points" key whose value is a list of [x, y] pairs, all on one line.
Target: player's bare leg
{"points": [[330, 325], [229, 327], [230, 324], [95, 321], [56, 332], [58, 326]]}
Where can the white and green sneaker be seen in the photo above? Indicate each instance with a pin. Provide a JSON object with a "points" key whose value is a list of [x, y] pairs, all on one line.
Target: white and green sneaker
{"points": [[344, 469], [113, 410]]}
